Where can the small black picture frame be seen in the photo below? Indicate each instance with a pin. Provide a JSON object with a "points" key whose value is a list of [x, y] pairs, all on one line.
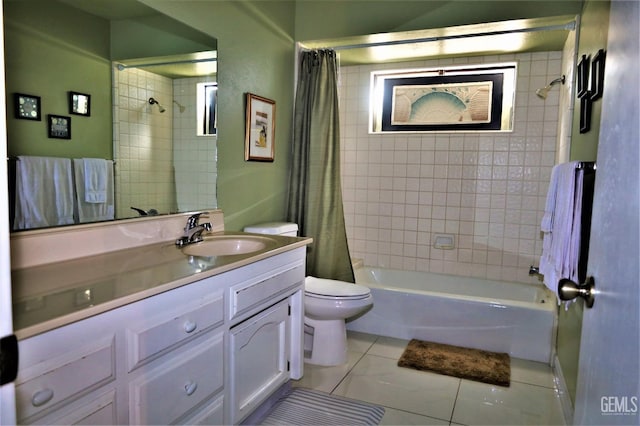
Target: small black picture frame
{"points": [[80, 104], [59, 126], [27, 107], [583, 76], [597, 75]]}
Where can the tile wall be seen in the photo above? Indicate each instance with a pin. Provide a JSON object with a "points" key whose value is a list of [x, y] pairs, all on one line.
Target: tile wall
{"points": [[161, 162], [195, 156], [143, 142], [485, 189]]}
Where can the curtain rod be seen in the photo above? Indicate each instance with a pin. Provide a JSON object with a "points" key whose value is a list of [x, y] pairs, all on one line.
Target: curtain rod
{"points": [[570, 26], [123, 67]]}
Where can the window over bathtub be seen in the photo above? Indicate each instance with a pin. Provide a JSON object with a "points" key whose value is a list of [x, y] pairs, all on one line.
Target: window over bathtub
{"points": [[446, 99]]}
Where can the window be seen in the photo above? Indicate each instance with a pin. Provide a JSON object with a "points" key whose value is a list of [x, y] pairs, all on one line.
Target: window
{"points": [[453, 99], [206, 107]]}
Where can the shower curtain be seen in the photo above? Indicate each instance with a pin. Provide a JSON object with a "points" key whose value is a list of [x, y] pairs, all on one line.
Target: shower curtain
{"points": [[315, 194]]}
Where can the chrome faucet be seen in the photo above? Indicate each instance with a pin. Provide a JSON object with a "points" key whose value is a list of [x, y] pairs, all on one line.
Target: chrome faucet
{"points": [[193, 230]]}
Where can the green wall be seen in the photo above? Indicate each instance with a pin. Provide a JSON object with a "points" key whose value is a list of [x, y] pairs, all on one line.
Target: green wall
{"points": [[256, 54], [594, 26], [51, 49], [256, 50]]}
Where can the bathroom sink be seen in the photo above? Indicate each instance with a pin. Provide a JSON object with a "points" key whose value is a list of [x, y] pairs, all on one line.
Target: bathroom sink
{"points": [[229, 245]]}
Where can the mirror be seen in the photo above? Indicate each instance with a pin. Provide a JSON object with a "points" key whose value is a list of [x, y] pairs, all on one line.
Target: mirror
{"points": [[118, 55]]}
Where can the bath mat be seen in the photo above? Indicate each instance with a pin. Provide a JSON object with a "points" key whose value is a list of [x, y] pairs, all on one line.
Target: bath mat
{"points": [[309, 407], [472, 364]]}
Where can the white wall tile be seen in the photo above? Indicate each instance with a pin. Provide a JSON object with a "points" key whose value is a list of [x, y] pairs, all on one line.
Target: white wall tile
{"points": [[486, 189]]}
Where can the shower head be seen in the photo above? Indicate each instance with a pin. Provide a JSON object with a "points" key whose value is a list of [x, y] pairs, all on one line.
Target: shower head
{"points": [[160, 107], [542, 93], [181, 107]]}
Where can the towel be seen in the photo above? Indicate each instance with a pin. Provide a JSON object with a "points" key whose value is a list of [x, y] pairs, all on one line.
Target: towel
{"points": [[95, 179], [91, 211], [44, 192], [561, 226], [547, 218]]}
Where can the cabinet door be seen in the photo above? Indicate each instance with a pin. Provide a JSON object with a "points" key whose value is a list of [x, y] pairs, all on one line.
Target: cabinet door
{"points": [[259, 348]]}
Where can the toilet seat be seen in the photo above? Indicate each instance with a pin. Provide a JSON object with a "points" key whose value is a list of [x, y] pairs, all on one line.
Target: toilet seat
{"points": [[321, 288]]}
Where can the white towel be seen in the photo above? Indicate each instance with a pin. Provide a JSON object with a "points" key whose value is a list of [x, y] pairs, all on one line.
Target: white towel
{"points": [[96, 179], [561, 226], [91, 211], [550, 205], [44, 192]]}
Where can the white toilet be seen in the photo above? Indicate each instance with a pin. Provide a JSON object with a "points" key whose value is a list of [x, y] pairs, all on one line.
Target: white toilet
{"points": [[327, 304]]}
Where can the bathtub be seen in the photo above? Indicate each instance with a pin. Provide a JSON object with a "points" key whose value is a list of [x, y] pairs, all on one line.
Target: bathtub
{"points": [[519, 319]]}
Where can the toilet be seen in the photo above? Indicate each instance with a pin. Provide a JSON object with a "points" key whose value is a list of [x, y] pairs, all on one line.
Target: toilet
{"points": [[327, 304]]}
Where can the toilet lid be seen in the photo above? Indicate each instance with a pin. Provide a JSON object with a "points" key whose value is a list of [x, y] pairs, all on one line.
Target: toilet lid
{"points": [[335, 289]]}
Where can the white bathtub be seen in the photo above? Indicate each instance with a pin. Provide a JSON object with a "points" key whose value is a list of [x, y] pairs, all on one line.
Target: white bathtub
{"points": [[519, 319]]}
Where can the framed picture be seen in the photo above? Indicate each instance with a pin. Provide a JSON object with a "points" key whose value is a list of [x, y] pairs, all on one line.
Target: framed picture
{"points": [[443, 103], [59, 127], [583, 76], [455, 99], [79, 104], [597, 75], [27, 107], [260, 128]]}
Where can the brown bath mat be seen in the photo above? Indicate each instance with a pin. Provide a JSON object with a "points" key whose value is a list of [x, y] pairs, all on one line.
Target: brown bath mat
{"points": [[472, 364]]}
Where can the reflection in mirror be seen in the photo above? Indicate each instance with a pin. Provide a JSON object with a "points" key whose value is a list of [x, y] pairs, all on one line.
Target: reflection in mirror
{"points": [[164, 161], [56, 47]]}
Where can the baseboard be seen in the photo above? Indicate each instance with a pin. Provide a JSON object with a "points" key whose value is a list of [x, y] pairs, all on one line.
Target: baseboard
{"points": [[563, 392]]}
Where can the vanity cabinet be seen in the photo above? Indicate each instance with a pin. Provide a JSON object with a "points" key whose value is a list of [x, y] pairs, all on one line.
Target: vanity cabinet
{"points": [[208, 352]]}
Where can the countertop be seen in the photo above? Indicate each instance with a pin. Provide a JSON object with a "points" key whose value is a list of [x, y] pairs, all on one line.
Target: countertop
{"points": [[50, 296]]}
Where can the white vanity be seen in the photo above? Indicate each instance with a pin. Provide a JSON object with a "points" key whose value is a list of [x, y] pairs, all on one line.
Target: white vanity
{"points": [[152, 336]]}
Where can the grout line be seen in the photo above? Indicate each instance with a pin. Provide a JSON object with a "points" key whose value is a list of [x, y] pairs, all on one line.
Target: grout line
{"points": [[354, 366], [455, 401]]}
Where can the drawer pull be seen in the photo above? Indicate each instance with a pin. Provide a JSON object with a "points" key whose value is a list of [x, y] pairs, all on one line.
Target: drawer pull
{"points": [[41, 397], [190, 387], [189, 326]]}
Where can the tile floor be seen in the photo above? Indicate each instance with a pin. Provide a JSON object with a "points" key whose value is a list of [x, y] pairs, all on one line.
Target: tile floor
{"points": [[421, 398]]}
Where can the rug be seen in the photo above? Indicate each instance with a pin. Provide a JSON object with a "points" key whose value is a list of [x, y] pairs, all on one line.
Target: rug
{"points": [[309, 407], [472, 364]]}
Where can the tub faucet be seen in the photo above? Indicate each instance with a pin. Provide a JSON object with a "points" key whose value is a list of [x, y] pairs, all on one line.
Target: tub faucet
{"points": [[193, 230]]}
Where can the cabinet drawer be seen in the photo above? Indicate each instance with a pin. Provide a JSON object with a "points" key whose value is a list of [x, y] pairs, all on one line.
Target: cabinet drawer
{"points": [[153, 338], [179, 384], [100, 410], [70, 375], [247, 295]]}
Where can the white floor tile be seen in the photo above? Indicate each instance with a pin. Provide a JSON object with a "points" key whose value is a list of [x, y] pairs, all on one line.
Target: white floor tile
{"points": [[396, 417], [388, 347], [519, 404], [380, 381], [326, 379], [531, 372], [413, 397], [359, 342]]}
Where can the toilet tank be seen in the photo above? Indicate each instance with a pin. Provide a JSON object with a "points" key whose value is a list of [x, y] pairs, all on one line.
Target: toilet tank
{"points": [[274, 228]]}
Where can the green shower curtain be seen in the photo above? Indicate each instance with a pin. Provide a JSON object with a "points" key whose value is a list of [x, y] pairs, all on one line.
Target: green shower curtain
{"points": [[315, 194]]}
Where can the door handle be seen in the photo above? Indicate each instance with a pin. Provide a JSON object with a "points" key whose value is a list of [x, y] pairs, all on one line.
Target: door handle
{"points": [[569, 290]]}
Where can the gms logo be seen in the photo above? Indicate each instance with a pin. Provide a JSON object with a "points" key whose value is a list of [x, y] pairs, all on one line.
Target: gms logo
{"points": [[619, 405]]}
